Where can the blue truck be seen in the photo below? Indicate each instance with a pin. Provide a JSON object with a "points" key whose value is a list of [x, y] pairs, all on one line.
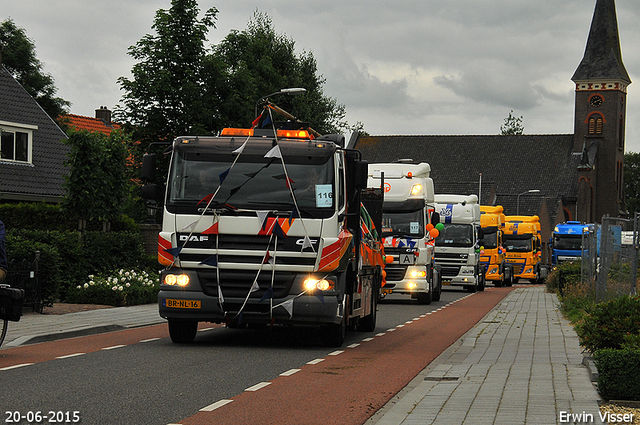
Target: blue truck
{"points": [[566, 241]]}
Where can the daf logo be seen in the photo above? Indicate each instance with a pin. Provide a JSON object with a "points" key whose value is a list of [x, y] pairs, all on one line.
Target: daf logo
{"points": [[194, 238], [301, 242]]}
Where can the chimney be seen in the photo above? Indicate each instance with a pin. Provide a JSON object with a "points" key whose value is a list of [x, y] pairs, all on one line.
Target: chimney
{"points": [[104, 114]]}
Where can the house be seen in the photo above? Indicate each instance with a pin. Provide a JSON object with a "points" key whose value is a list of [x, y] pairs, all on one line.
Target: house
{"points": [[32, 153], [558, 177], [101, 123]]}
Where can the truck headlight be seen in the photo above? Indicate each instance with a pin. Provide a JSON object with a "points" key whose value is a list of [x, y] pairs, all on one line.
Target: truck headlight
{"points": [[311, 284], [417, 273], [176, 279], [494, 270]]}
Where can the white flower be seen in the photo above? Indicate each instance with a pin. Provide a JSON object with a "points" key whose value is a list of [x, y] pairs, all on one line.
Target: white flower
{"points": [[90, 276], [86, 285], [128, 284], [91, 282], [120, 288], [115, 288], [78, 287]]}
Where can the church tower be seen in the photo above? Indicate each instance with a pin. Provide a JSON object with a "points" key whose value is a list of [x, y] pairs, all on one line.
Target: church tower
{"points": [[600, 110]]}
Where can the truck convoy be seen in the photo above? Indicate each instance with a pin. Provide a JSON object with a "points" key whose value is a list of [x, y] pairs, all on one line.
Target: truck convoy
{"points": [[407, 210], [566, 241], [492, 253], [523, 244], [457, 248], [268, 226]]}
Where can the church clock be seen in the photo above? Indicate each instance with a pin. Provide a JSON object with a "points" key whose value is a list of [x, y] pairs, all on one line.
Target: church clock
{"points": [[595, 101]]}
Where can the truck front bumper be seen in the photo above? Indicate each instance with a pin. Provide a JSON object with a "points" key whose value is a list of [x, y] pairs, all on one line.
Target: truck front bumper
{"points": [[303, 309]]}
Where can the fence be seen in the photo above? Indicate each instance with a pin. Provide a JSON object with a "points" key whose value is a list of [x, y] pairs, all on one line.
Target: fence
{"points": [[24, 274], [610, 257]]}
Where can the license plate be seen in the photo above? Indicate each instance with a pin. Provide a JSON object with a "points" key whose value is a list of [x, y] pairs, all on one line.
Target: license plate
{"points": [[407, 258], [191, 304]]}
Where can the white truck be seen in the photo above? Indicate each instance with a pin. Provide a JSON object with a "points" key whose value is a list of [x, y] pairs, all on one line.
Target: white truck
{"points": [[407, 209], [457, 250], [267, 226]]}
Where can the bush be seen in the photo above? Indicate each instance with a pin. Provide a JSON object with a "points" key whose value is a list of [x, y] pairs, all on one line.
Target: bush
{"points": [[618, 374], [96, 253], [126, 287], [606, 324], [565, 276]]}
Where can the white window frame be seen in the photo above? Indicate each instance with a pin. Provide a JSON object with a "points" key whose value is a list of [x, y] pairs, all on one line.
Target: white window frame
{"points": [[12, 127]]}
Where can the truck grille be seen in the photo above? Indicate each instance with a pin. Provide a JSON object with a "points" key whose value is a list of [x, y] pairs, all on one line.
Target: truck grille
{"points": [[237, 283], [395, 272]]}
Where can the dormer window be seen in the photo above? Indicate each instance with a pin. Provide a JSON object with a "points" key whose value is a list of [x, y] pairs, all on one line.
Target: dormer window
{"points": [[595, 125], [16, 142]]}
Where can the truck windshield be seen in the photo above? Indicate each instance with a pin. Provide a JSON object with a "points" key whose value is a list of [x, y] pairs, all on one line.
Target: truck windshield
{"points": [[409, 224], [570, 242], [252, 183], [515, 243], [490, 240], [460, 235]]}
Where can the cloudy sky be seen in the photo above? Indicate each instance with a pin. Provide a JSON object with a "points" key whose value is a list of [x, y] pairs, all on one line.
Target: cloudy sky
{"points": [[399, 67]]}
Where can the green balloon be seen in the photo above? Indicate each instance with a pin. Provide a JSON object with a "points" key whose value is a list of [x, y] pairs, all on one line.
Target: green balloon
{"points": [[440, 227]]}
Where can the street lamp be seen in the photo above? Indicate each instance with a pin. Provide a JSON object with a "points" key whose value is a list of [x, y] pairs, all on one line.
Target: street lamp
{"points": [[518, 198], [289, 91]]}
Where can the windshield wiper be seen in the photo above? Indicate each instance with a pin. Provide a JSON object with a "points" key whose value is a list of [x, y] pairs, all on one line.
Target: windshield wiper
{"points": [[288, 205]]}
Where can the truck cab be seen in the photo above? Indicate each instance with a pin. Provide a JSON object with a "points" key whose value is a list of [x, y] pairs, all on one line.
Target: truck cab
{"points": [[522, 241], [457, 245], [566, 241], [407, 210], [492, 253]]}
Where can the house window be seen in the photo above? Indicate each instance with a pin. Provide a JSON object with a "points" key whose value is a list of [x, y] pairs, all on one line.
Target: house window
{"points": [[595, 124], [16, 142], [621, 133]]}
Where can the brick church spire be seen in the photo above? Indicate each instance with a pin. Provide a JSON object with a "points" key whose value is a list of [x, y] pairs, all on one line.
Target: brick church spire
{"points": [[602, 56], [600, 114]]}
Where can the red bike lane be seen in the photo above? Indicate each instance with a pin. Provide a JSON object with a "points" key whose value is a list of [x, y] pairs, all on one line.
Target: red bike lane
{"points": [[351, 384]]}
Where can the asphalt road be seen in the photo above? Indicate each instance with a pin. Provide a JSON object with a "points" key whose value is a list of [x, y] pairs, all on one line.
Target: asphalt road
{"points": [[139, 377]]}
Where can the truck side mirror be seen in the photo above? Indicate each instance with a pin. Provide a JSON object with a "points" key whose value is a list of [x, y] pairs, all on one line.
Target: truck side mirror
{"points": [[435, 218], [148, 172], [150, 191], [480, 233], [360, 173]]}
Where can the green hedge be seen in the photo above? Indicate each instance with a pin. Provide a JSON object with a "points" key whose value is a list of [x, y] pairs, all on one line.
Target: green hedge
{"points": [[41, 216], [606, 324], [67, 258], [618, 374]]}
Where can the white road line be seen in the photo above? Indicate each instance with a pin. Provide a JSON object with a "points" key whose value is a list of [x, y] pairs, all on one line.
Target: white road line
{"points": [[114, 347], [256, 387], [381, 334], [391, 330], [367, 339], [335, 353], [150, 339], [16, 366], [290, 372], [70, 355], [215, 405], [316, 361], [353, 345]]}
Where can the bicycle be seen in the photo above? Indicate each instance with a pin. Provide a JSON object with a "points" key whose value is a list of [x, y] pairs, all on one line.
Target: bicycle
{"points": [[4, 324], [11, 300]]}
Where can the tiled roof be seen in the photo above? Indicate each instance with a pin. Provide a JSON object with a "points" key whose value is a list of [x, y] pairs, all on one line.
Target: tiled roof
{"points": [[92, 124], [43, 178], [510, 165]]}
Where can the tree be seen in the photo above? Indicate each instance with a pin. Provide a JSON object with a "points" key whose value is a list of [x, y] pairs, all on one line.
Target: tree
{"points": [[19, 58], [165, 97], [96, 184], [250, 64], [632, 182], [512, 125]]}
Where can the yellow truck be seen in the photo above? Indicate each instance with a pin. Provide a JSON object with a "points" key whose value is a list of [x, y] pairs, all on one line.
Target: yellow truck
{"points": [[492, 253], [523, 243]]}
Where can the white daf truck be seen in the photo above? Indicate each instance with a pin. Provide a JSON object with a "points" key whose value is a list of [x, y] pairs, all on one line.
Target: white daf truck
{"points": [[457, 250], [408, 208]]}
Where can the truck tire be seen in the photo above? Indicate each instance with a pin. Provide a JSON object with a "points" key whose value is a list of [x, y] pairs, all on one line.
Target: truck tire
{"points": [[437, 284], [508, 271], [481, 282], [182, 331], [335, 333]]}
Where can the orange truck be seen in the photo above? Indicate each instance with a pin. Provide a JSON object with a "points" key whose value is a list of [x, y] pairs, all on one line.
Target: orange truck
{"points": [[492, 253], [523, 243], [285, 233]]}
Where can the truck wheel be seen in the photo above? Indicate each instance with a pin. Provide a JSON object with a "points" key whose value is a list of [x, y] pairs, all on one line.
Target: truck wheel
{"points": [[425, 297], [508, 279], [182, 331], [334, 334], [480, 282], [437, 284]]}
